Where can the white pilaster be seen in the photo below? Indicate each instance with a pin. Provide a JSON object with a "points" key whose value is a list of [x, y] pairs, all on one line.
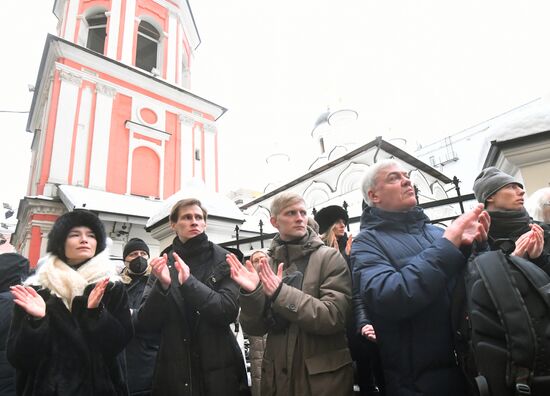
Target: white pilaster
{"points": [[114, 28], [210, 155], [197, 134], [64, 127], [171, 67], [81, 143], [102, 131], [186, 148], [70, 23], [128, 41]]}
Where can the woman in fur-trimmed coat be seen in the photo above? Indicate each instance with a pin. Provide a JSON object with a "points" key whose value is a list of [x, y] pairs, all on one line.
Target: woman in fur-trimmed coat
{"points": [[72, 319]]}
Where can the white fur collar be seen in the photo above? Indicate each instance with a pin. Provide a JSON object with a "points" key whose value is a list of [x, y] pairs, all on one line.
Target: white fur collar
{"points": [[65, 282]]}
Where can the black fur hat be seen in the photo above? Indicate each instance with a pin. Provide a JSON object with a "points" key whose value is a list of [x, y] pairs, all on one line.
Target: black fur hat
{"points": [[326, 217], [64, 224]]}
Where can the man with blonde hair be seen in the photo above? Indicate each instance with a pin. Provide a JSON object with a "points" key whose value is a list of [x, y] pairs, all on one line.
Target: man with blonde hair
{"points": [[301, 298]]}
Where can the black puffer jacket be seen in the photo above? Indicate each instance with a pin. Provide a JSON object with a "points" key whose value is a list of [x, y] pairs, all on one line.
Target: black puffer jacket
{"points": [[199, 354], [13, 269]]}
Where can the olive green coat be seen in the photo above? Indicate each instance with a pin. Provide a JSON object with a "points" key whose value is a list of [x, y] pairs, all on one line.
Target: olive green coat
{"points": [[310, 356]]}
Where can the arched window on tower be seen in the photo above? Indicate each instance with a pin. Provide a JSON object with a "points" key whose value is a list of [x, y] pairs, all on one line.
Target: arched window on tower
{"points": [[148, 44], [97, 31], [145, 173]]}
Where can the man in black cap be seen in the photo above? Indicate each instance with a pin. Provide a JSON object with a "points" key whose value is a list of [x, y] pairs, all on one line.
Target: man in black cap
{"points": [[511, 230], [141, 352]]}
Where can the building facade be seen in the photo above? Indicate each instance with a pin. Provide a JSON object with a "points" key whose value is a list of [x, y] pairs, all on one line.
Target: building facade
{"points": [[116, 129]]}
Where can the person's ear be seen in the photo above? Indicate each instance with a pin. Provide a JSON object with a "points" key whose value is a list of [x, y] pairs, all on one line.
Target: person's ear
{"points": [[273, 221], [373, 197]]}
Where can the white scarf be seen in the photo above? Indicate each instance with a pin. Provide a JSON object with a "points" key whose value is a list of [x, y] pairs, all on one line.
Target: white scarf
{"points": [[67, 283]]}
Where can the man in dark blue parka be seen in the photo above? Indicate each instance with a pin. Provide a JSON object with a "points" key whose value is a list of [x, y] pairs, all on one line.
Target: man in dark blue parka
{"points": [[406, 269]]}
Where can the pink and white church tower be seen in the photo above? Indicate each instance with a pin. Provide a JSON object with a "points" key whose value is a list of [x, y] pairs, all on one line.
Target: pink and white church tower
{"points": [[116, 129]]}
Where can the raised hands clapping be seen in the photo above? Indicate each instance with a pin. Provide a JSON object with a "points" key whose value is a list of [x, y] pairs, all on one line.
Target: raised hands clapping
{"points": [[159, 268], [28, 299]]}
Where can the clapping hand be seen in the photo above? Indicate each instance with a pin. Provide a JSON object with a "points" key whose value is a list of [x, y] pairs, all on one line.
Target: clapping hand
{"points": [[245, 276], [530, 243], [473, 225], [183, 269], [28, 299], [161, 271], [97, 293], [269, 279]]}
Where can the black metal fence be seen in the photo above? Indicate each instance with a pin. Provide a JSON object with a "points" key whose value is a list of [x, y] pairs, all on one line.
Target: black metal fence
{"points": [[459, 199]]}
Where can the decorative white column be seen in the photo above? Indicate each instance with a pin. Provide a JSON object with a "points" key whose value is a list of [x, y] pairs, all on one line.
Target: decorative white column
{"points": [[186, 148], [128, 37], [81, 143], [209, 156], [171, 41], [114, 28], [197, 151], [70, 22], [64, 127], [102, 131]]}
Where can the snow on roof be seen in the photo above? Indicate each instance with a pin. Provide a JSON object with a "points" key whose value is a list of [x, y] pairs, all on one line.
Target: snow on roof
{"points": [[527, 120], [102, 201], [215, 203]]}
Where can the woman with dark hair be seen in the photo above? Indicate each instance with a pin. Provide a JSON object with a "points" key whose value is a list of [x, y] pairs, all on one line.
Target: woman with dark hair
{"points": [[71, 318]]}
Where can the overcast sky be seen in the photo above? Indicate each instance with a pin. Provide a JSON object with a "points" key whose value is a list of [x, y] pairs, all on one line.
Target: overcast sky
{"points": [[420, 69]]}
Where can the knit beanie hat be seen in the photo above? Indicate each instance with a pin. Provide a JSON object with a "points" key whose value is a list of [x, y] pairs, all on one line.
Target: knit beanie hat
{"points": [[326, 217], [489, 181], [135, 244], [66, 222]]}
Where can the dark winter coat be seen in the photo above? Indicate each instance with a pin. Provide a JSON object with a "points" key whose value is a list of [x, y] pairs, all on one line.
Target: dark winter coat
{"points": [[7, 372], [72, 352], [13, 269], [306, 349], [199, 354], [141, 352], [406, 272]]}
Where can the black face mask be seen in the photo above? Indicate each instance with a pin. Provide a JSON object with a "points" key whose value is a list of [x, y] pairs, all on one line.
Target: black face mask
{"points": [[138, 265]]}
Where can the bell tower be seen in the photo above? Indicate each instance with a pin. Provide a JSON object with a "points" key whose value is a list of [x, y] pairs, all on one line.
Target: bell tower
{"points": [[116, 128]]}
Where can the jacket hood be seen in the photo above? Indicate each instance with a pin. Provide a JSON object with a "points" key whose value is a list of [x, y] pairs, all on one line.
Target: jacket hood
{"points": [[287, 251], [373, 218], [14, 269]]}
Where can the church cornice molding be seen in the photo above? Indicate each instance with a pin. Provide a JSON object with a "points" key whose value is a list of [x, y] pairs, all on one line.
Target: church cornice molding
{"points": [[70, 77]]}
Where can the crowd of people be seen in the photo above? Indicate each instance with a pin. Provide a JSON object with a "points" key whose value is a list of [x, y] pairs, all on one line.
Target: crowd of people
{"points": [[326, 313]]}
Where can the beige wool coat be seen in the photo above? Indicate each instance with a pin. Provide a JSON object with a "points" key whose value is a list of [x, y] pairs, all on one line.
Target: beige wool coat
{"points": [[310, 356]]}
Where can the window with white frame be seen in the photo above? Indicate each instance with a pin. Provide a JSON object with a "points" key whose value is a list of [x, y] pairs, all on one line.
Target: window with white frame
{"points": [[97, 32], [148, 44]]}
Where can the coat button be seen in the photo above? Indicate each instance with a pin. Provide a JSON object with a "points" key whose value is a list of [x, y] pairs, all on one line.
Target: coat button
{"points": [[292, 307]]}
